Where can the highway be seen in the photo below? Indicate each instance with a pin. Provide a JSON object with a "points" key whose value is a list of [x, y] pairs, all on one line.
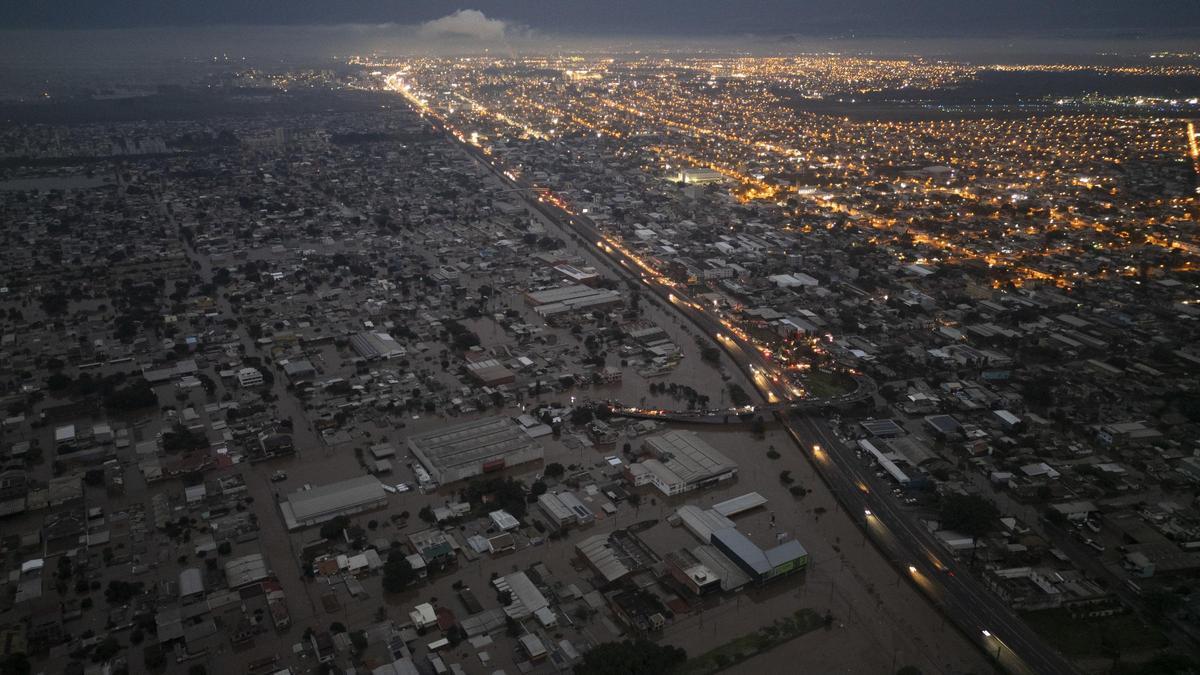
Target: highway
{"points": [[913, 549], [982, 616]]}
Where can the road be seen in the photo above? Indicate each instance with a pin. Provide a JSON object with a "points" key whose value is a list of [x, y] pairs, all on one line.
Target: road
{"points": [[976, 611], [274, 540], [913, 549]]}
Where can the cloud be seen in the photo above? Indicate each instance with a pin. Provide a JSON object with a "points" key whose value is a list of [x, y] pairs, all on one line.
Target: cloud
{"points": [[468, 23]]}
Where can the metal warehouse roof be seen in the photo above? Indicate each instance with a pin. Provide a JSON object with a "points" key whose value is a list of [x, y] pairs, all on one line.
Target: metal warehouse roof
{"points": [[702, 522], [602, 557], [746, 550], [732, 507], [311, 504], [688, 456], [471, 442]]}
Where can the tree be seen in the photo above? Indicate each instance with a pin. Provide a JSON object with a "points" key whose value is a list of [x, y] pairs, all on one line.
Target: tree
{"points": [[738, 395], [16, 663], [970, 514], [1162, 603], [153, 657], [554, 470], [758, 427], [333, 529], [106, 650], [537, 489], [397, 573], [631, 657], [134, 397], [121, 592], [58, 382], [504, 493], [1166, 663], [581, 416], [180, 438], [426, 514]]}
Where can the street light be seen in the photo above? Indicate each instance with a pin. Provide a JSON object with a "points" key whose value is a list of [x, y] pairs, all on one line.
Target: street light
{"points": [[868, 513], [912, 569]]}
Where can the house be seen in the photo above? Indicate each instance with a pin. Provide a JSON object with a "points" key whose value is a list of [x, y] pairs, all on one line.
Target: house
{"points": [[322, 646]]}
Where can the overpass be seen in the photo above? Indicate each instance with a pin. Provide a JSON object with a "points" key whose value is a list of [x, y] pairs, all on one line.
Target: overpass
{"points": [[742, 415]]}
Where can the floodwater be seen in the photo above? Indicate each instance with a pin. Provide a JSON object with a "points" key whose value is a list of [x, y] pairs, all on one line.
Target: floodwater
{"points": [[53, 183]]}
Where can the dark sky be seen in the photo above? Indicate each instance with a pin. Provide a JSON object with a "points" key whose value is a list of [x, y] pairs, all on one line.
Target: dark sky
{"points": [[646, 17]]}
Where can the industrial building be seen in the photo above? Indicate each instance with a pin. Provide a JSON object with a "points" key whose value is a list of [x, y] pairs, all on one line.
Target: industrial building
{"points": [[583, 514], [555, 511], [299, 370], [615, 555], [587, 277], [690, 571], [305, 508], [566, 300], [681, 461], [700, 176], [603, 558], [246, 570], [466, 450], [760, 565], [376, 345], [525, 598], [490, 372], [739, 504]]}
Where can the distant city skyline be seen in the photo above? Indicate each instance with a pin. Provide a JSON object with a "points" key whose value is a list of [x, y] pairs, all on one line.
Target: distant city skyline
{"points": [[631, 17]]}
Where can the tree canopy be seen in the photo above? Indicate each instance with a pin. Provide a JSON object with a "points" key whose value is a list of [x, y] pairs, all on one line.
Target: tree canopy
{"points": [[133, 397], [631, 657], [397, 573], [970, 514]]}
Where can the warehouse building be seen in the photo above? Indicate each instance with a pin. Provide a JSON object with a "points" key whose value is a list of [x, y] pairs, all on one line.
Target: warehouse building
{"points": [[466, 450], [376, 345], [555, 511], [583, 514], [760, 565], [603, 558], [491, 373], [682, 462], [690, 571], [566, 300], [305, 508], [300, 370], [246, 570]]}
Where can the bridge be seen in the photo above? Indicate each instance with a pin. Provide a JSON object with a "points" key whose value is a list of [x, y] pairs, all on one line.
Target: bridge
{"points": [[744, 414]]}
